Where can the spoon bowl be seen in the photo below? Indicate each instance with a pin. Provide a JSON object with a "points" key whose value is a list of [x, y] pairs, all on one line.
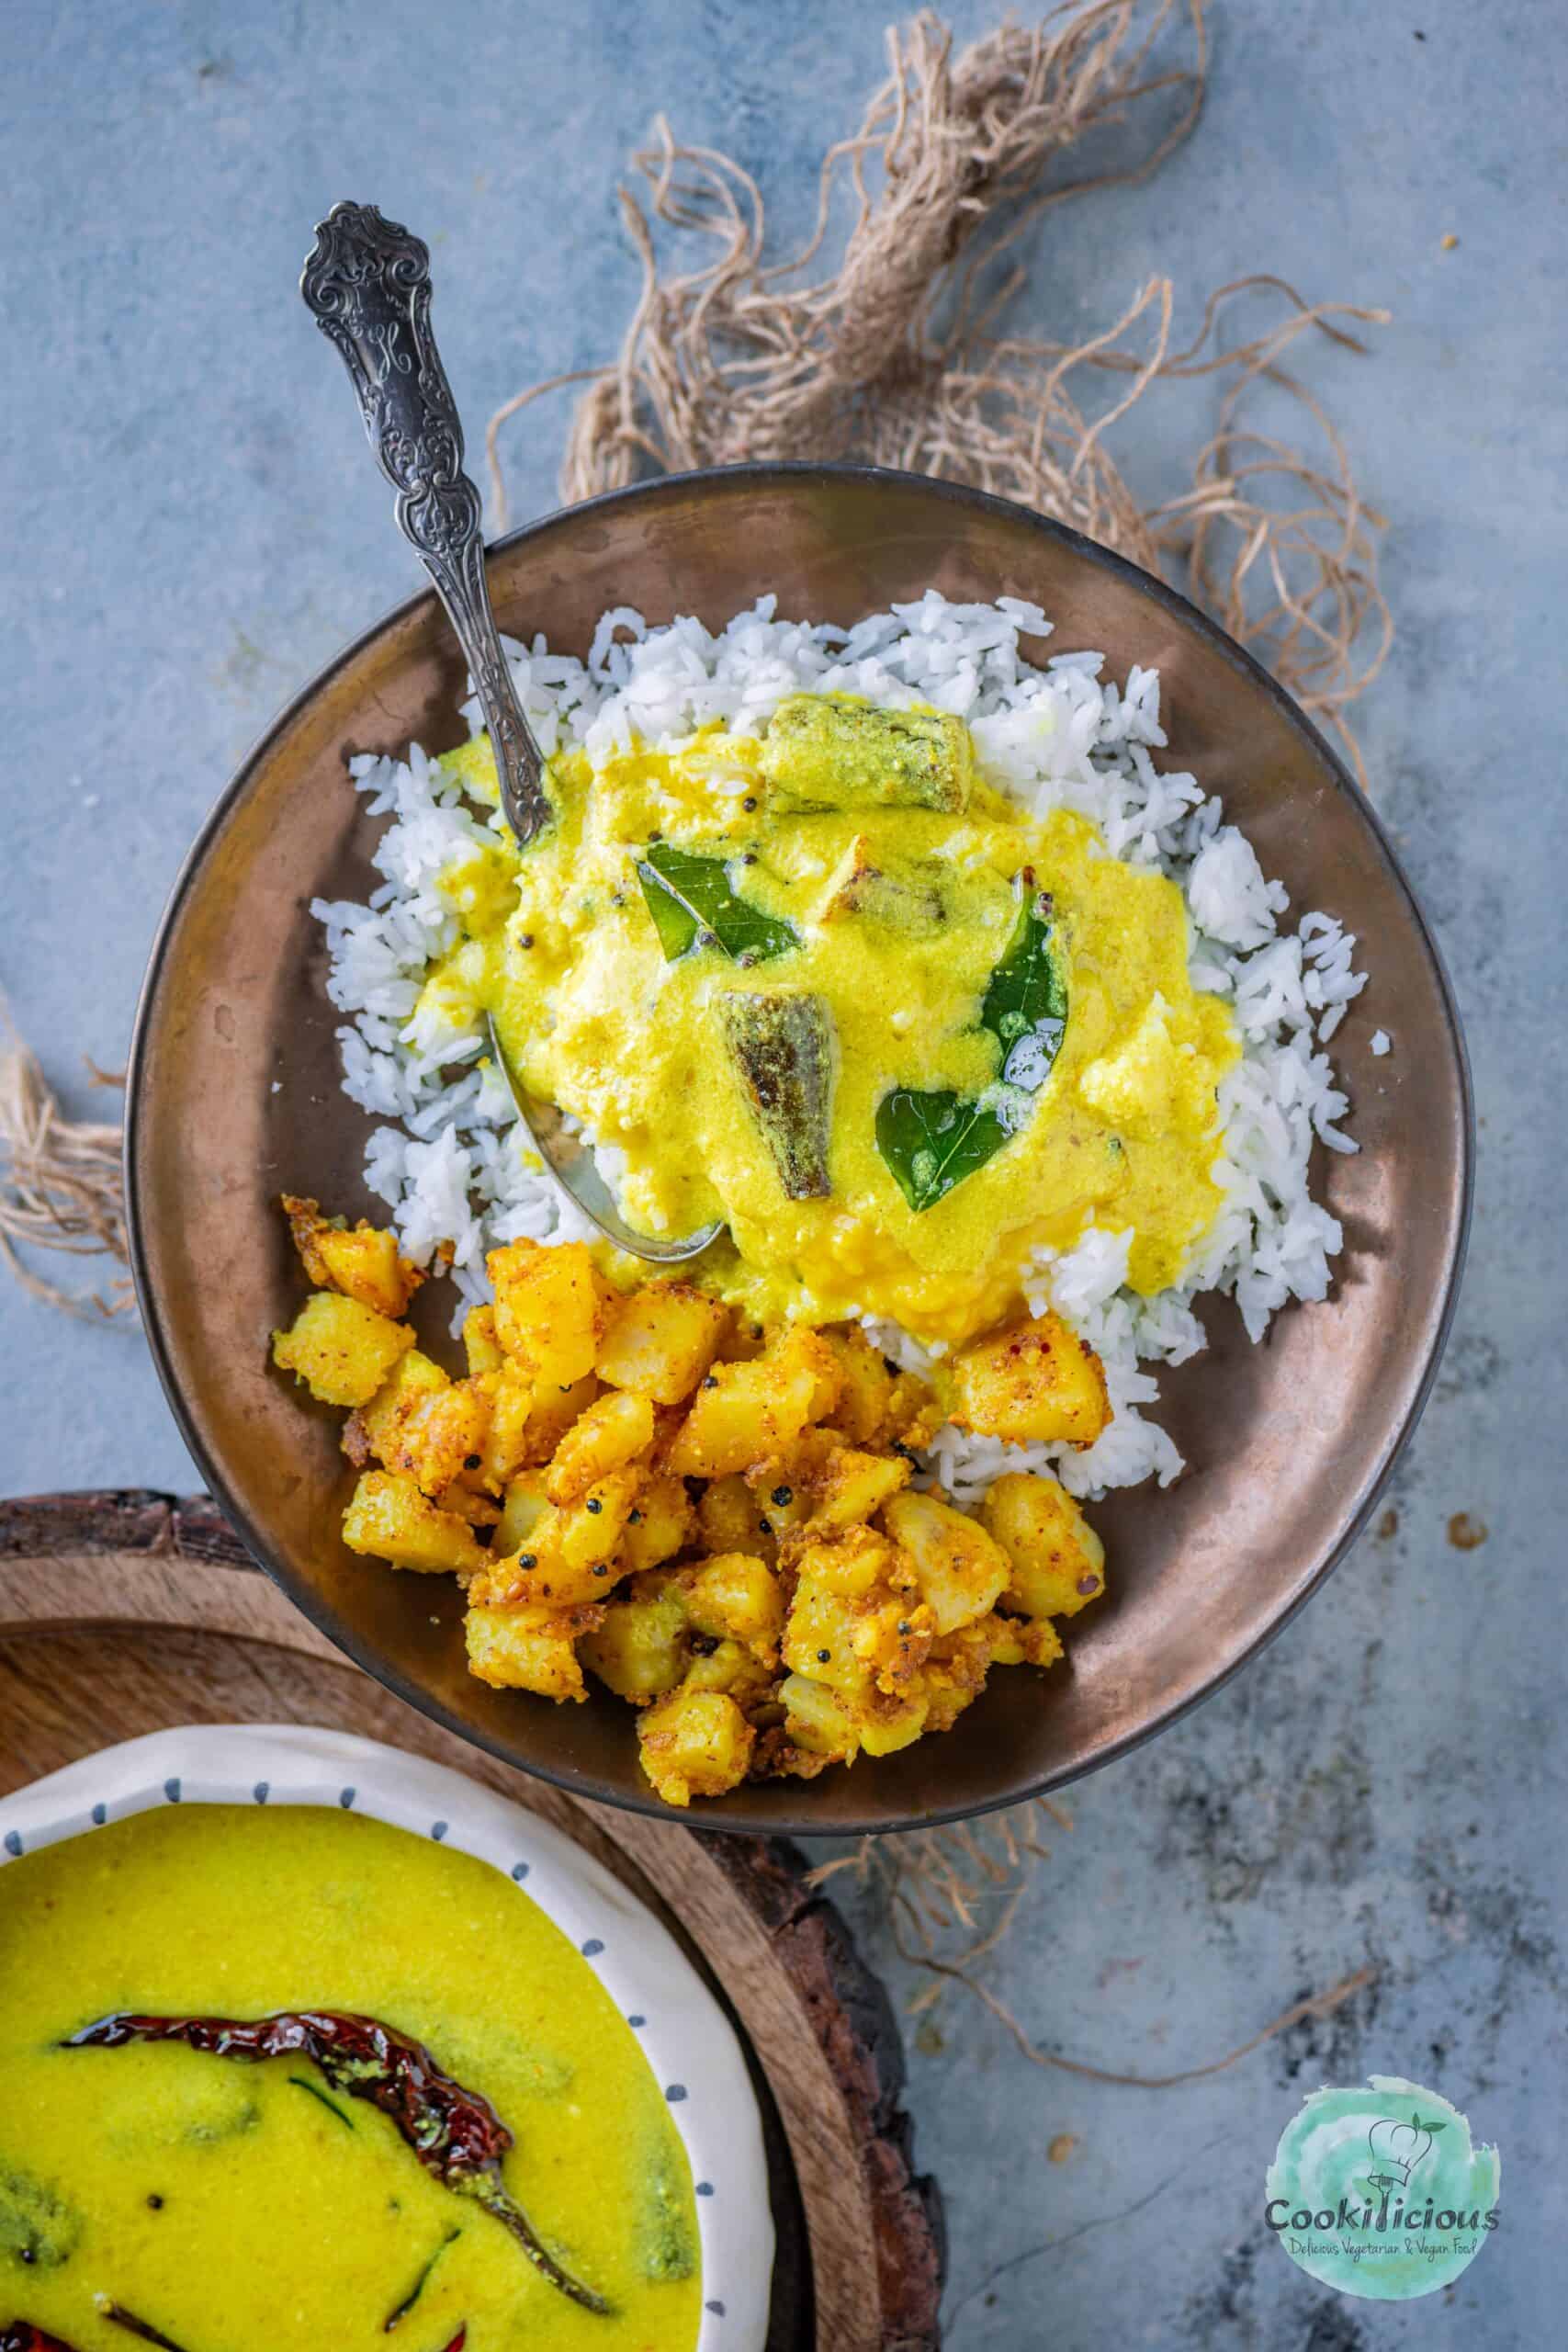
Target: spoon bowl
{"points": [[568, 1155]]}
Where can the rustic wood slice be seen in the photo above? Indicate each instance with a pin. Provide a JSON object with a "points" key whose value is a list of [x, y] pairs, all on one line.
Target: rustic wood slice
{"points": [[125, 1613]]}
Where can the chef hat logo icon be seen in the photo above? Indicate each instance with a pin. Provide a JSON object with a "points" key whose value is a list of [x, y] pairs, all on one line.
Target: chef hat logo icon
{"points": [[1397, 2148]]}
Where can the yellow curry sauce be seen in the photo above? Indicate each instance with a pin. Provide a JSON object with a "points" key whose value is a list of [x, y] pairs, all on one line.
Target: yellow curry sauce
{"points": [[903, 913], [227, 2204]]}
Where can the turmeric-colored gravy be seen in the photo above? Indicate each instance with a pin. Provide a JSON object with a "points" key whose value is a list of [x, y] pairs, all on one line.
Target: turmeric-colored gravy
{"points": [[887, 904], [246, 2207]]}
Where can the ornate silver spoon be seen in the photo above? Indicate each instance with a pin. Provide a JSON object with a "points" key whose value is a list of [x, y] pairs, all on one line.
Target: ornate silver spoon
{"points": [[368, 286]]}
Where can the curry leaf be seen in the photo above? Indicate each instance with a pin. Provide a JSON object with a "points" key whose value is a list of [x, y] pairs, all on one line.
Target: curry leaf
{"points": [[673, 921], [1026, 992], [931, 1141], [694, 904]]}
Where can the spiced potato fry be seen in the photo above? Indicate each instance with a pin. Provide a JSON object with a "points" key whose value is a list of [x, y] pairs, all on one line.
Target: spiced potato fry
{"points": [[734, 1530]]}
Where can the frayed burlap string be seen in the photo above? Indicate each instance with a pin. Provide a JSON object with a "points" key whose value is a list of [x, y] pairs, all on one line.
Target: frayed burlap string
{"points": [[59, 1186], [894, 354], [951, 1896]]}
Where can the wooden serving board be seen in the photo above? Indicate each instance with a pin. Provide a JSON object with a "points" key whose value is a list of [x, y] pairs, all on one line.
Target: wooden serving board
{"points": [[129, 1613]]}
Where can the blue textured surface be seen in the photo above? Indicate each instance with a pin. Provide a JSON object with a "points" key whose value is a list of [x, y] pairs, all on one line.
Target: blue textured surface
{"points": [[194, 526]]}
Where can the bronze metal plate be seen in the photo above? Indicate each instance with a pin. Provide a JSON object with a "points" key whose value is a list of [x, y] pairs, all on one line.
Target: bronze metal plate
{"points": [[234, 1097]]}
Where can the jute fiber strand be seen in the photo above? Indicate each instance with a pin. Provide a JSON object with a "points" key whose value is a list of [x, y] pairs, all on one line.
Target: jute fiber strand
{"points": [[896, 355], [61, 1190]]}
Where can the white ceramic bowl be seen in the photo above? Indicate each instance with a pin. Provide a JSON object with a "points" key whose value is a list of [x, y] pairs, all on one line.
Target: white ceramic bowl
{"points": [[686, 2037]]}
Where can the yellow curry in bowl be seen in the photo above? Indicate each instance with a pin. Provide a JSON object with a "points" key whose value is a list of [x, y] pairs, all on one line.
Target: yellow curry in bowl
{"points": [[977, 1027], [459, 2141]]}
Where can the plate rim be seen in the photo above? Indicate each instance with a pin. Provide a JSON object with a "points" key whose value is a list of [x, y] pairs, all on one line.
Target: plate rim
{"points": [[741, 1820]]}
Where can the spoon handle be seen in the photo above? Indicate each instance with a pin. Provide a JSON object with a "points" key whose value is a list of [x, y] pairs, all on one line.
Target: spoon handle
{"points": [[367, 285]]}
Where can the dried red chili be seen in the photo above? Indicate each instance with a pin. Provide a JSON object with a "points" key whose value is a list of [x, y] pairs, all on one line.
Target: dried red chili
{"points": [[454, 2132], [21, 2335]]}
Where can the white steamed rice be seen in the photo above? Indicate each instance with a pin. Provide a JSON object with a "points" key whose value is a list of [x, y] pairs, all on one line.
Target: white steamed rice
{"points": [[451, 1163]]}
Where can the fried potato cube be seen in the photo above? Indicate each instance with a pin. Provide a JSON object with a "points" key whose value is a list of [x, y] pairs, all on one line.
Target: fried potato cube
{"points": [[730, 1666], [819, 1640], [865, 1385], [506, 1442], [441, 1434], [744, 1413], [469, 1502], [525, 1505], [612, 1433], [964, 1656], [1006, 1646], [659, 1340], [785, 1484], [390, 1519], [694, 1744], [661, 1522], [640, 1648], [743, 1340], [894, 1640], [731, 1518], [569, 1554], [740, 1413], [372, 1432], [529, 1419], [341, 1350], [483, 1350], [852, 1624], [735, 1598], [1034, 1380], [590, 1529], [886, 1724], [1024, 1641], [853, 1486], [1058, 1560], [361, 1262], [960, 1571], [811, 1350], [879, 1406], [914, 1414], [529, 1649], [817, 1719], [955, 1676], [555, 1410], [549, 1307], [851, 1564]]}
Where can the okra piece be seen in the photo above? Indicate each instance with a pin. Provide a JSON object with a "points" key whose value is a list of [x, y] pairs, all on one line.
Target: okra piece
{"points": [[782, 1047], [837, 752]]}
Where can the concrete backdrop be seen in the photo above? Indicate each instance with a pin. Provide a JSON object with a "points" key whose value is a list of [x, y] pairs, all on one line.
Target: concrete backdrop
{"points": [[194, 526]]}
